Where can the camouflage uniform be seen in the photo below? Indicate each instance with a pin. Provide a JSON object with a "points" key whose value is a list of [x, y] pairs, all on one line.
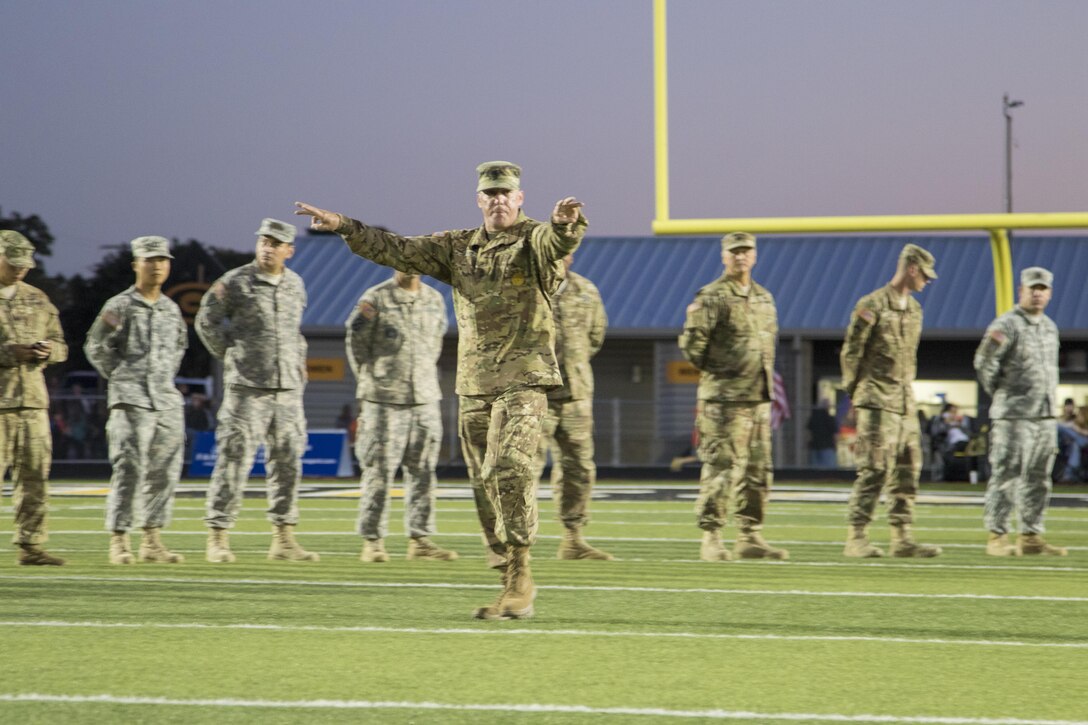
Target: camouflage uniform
{"points": [[502, 283], [138, 345], [394, 338], [26, 443], [730, 335], [252, 322], [879, 361], [580, 323], [1021, 373]]}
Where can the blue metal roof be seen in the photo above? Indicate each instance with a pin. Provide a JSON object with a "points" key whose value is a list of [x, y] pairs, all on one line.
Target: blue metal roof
{"points": [[647, 282]]}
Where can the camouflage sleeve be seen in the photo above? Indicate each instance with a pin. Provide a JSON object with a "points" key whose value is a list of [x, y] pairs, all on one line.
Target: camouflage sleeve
{"points": [[702, 316], [360, 328], [415, 255], [598, 323], [212, 317], [104, 340], [551, 242], [303, 344], [53, 332], [183, 340], [990, 354], [862, 322]]}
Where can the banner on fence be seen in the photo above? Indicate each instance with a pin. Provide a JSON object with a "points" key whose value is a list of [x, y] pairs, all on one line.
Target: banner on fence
{"points": [[327, 455]]}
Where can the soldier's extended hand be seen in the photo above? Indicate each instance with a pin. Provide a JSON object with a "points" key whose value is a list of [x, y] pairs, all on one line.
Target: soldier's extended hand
{"points": [[566, 210], [321, 220]]}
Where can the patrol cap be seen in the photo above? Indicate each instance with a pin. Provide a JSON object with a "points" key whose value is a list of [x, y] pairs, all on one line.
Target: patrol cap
{"points": [[147, 247], [498, 175], [16, 248], [738, 240], [913, 254], [278, 230], [1035, 276]]}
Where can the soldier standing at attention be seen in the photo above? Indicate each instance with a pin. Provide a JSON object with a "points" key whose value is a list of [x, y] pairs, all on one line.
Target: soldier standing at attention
{"points": [[879, 361], [504, 274], [580, 323], [1017, 364], [137, 343], [394, 338], [730, 335], [251, 319], [30, 339]]}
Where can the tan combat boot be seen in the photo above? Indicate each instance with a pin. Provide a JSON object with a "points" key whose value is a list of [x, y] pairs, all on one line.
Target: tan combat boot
{"points": [[420, 547], [120, 549], [373, 552], [494, 611], [520, 591], [285, 548], [858, 545], [573, 547], [904, 546], [34, 555], [218, 549], [998, 545], [711, 549], [751, 545], [153, 550], [1032, 544]]}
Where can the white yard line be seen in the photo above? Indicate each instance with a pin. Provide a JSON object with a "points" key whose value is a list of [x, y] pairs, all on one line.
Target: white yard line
{"points": [[555, 537], [551, 587], [713, 714], [503, 632]]}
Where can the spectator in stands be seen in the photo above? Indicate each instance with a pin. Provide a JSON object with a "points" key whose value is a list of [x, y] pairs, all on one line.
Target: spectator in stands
{"points": [[343, 420], [198, 419], [848, 436], [1069, 411], [822, 432], [1072, 442]]}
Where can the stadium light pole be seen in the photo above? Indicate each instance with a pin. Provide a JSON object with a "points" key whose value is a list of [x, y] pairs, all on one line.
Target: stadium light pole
{"points": [[1006, 108]]}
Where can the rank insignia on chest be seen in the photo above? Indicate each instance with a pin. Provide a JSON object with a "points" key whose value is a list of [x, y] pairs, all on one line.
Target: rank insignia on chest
{"points": [[518, 279]]}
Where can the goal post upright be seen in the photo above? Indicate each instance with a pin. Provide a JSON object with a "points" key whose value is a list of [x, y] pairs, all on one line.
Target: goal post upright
{"points": [[996, 225]]}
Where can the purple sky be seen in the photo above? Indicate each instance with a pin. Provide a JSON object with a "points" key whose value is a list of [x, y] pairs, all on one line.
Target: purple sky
{"points": [[196, 119]]}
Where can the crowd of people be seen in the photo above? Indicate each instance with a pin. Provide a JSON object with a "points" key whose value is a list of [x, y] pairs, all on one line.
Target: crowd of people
{"points": [[528, 327]]}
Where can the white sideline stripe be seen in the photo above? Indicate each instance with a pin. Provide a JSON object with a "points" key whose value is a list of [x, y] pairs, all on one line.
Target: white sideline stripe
{"points": [[882, 564], [554, 537], [806, 511], [600, 521], [549, 587], [543, 632], [715, 714]]}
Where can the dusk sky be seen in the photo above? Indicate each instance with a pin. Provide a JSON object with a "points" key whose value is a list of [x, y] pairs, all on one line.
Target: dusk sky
{"points": [[195, 119]]}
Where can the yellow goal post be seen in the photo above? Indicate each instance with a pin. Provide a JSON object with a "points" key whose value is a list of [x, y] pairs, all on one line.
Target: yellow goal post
{"points": [[997, 225]]}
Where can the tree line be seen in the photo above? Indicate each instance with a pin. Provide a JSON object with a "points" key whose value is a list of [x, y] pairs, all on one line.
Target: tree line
{"points": [[78, 298]]}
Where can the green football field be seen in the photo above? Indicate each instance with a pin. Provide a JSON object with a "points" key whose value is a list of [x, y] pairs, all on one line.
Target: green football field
{"points": [[656, 636]]}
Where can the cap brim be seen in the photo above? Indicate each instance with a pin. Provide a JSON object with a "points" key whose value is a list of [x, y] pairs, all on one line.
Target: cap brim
{"points": [[498, 185]]}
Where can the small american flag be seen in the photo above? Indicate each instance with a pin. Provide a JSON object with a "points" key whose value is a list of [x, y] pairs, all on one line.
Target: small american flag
{"points": [[780, 406]]}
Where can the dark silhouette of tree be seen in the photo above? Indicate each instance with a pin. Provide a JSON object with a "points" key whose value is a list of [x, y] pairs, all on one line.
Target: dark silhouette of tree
{"points": [[37, 232], [32, 227]]}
